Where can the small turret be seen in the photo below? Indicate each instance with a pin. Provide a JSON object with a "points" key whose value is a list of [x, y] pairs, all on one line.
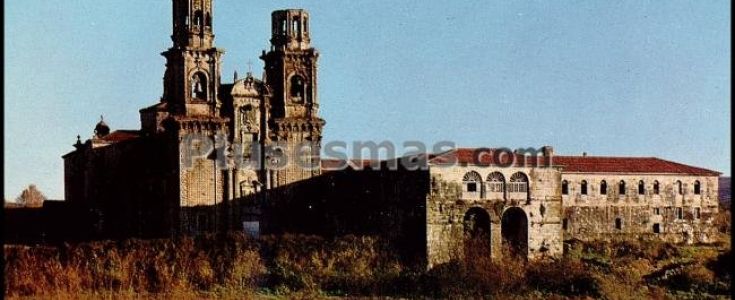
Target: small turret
{"points": [[78, 145], [101, 129]]}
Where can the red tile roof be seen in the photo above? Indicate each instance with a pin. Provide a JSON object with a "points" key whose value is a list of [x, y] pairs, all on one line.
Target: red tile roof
{"points": [[486, 156], [121, 135], [580, 164], [603, 164], [160, 106]]}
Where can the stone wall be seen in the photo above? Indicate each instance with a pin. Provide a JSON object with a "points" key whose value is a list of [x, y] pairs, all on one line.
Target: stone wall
{"points": [[449, 202], [127, 185], [668, 215]]}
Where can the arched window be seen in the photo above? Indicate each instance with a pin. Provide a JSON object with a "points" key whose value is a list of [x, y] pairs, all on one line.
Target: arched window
{"points": [[641, 188], [655, 187], [198, 18], [306, 25], [603, 187], [496, 182], [518, 183], [697, 188], [208, 20], [583, 187], [564, 187], [297, 87], [621, 187], [679, 187], [472, 182], [199, 86], [283, 26], [295, 25]]}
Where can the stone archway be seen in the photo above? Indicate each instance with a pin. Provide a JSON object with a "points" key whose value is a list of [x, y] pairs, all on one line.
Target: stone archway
{"points": [[514, 229], [477, 233]]}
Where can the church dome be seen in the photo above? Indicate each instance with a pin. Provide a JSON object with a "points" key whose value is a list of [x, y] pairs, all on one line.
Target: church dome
{"points": [[101, 129]]}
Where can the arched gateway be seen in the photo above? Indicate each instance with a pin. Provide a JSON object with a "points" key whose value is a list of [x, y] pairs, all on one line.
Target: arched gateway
{"points": [[477, 233], [514, 229]]}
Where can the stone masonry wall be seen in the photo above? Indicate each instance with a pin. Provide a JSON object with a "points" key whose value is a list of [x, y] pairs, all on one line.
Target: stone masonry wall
{"points": [[668, 215], [449, 202]]}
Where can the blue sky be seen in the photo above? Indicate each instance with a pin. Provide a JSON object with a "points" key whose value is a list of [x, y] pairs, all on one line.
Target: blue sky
{"points": [[623, 78]]}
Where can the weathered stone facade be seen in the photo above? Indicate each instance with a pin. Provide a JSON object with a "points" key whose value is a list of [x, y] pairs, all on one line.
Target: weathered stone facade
{"points": [[458, 191], [168, 178], [651, 207], [198, 121], [561, 199]]}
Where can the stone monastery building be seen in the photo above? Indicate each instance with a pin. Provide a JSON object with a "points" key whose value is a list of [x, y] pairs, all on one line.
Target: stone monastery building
{"points": [[156, 182]]}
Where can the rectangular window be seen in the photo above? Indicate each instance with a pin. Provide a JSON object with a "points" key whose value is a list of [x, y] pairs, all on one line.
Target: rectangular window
{"points": [[472, 187], [618, 223], [679, 213], [496, 187], [517, 187], [656, 211], [564, 224], [697, 212], [656, 228]]}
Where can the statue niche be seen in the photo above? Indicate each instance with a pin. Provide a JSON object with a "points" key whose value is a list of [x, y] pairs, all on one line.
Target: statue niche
{"points": [[248, 118]]}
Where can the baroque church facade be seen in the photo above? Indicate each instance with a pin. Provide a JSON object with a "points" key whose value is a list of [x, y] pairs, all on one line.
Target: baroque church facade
{"points": [[157, 165], [162, 180]]}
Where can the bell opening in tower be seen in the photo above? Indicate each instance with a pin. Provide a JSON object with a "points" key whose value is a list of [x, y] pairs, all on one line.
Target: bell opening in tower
{"points": [[199, 86]]}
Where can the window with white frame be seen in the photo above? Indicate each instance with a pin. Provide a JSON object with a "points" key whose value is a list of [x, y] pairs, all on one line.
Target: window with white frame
{"points": [[495, 182], [472, 183], [518, 183]]}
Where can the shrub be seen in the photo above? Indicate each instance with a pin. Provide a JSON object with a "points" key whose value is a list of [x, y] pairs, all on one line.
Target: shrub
{"points": [[565, 277], [301, 266]]}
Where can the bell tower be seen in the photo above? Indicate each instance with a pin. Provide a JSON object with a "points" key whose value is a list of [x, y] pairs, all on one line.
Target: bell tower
{"points": [[193, 64], [291, 65], [291, 73]]}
